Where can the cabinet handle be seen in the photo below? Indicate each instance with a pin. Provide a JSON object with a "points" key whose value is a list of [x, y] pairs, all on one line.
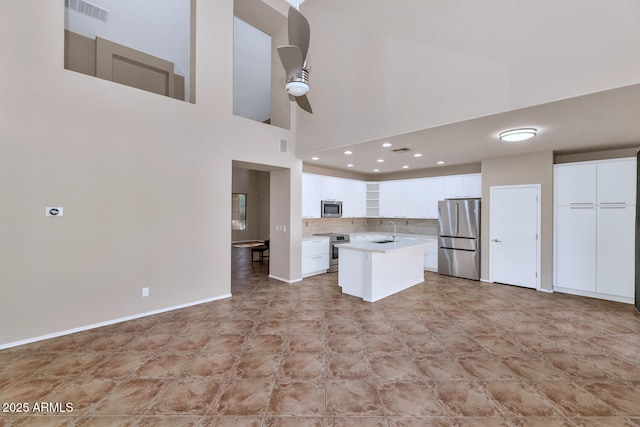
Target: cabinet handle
{"points": [[613, 207], [581, 207], [613, 203], [316, 257], [581, 203]]}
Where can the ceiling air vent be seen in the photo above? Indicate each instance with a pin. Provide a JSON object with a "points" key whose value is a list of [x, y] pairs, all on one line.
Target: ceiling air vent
{"points": [[88, 9], [401, 150]]}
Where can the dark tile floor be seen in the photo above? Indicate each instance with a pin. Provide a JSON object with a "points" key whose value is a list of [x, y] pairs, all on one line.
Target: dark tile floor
{"points": [[448, 352]]}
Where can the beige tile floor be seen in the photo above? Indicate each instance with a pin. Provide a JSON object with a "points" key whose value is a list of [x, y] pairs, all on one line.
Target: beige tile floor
{"points": [[448, 352]]}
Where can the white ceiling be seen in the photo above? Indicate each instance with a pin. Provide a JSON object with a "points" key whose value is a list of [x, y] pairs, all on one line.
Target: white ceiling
{"points": [[444, 78], [605, 120]]}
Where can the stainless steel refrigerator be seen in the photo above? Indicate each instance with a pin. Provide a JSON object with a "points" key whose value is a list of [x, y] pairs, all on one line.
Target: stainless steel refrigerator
{"points": [[459, 238]]}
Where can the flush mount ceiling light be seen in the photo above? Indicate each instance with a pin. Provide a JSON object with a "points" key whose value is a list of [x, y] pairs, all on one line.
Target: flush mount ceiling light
{"points": [[376, 170], [315, 158], [417, 155], [405, 167], [297, 88], [348, 152], [380, 160], [440, 162], [387, 144], [515, 135], [350, 165]]}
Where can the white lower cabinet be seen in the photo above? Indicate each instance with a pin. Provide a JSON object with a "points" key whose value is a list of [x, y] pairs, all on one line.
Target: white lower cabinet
{"points": [[431, 257], [576, 248], [615, 264], [315, 255]]}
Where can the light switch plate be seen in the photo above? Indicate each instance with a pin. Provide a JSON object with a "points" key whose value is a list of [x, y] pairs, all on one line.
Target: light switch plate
{"points": [[53, 211]]}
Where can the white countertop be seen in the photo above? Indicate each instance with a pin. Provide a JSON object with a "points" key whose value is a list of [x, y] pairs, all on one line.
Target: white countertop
{"points": [[307, 238], [368, 246], [387, 234]]}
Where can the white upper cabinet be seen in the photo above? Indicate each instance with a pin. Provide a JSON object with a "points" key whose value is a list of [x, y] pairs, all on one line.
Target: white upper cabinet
{"points": [[463, 186], [310, 197], [354, 194], [575, 184], [403, 198], [608, 182], [390, 199], [426, 194], [616, 182]]}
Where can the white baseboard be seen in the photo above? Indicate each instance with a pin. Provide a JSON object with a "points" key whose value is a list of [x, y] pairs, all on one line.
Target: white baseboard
{"points": [[109, 322], [285, 280], [597, 295], [486, 281], [549, 291]]}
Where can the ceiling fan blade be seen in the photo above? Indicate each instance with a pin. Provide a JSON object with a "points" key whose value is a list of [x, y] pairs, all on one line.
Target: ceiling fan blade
{"points": [[292, 59], [303, 102], [299, 32]]}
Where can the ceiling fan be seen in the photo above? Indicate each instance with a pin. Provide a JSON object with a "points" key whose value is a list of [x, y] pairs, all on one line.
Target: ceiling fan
{"points": [[294, 59]]}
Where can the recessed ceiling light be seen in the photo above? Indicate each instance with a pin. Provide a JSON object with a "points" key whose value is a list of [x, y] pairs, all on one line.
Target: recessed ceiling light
{"points": [[440, 162], [350, 165], [405, 167], [515, 135], [380, 160], [417, 155], [376, 170], [348, 152], [387, 144], [315, 158]]}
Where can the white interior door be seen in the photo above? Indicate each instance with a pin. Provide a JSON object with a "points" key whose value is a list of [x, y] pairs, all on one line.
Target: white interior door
{"points": [[514, 250]]}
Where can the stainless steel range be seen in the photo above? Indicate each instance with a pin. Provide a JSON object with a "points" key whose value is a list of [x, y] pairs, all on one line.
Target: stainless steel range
{"points": [[334, 238]]}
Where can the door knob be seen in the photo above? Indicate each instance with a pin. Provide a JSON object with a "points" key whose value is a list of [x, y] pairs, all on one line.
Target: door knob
{"points": [[496, 240]]}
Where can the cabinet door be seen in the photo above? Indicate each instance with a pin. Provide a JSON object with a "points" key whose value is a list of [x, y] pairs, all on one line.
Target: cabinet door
{"points": [[310, 196], [616, 182], [407, 198], [576, 248], [436, 193], [616, 250], [315, 247], [462, 186], [575, 184], [421, 198], [359, 200], [390, 199]]}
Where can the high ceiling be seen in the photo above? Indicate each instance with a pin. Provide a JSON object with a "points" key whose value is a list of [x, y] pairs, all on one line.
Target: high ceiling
{"points": [[605, 120], [444, 78]]}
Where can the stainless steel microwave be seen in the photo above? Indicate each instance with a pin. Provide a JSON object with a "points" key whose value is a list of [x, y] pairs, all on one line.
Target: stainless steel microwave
{"points": [[331, 209]]}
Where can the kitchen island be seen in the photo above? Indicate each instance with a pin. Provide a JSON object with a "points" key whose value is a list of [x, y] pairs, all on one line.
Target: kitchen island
{"points": [[376, 270]]}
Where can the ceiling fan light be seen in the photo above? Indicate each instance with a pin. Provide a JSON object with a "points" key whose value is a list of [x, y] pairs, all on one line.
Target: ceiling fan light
{"points": [[515, 135], [297, 88]]}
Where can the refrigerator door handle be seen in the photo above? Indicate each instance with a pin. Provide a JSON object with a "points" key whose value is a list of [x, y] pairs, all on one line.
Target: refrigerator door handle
{"points": [[457, 218]]}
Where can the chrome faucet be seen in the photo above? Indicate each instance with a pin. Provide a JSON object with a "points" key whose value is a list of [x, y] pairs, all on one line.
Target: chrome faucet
{"points": [[394, 231]]}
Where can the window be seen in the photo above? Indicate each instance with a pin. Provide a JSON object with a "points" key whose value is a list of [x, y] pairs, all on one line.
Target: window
{"points": [[238, 211]]}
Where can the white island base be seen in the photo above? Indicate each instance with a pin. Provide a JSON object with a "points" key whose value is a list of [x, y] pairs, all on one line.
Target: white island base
{"points": [[373, 271]]}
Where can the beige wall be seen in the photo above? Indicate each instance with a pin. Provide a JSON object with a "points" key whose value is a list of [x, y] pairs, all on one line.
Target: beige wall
{"points": [[534, 168], [144, 181]]}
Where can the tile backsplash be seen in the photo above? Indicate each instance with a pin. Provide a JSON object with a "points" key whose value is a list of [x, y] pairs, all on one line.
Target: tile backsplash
{"points": [[311, 226]]}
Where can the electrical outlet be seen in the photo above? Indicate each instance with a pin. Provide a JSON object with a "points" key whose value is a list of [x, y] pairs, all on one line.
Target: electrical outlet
{"points": [[145, 292]]}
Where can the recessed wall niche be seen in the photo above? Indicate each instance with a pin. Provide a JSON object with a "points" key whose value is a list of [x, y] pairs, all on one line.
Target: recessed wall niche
{"points": [[143, 44]]}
